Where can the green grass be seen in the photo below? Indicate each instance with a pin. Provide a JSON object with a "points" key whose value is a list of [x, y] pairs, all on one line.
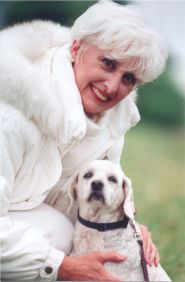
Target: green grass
{"points": [[154, 158]]}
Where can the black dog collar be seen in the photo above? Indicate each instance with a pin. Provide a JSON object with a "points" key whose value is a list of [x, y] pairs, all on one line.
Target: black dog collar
{"points": [[104, 226]]}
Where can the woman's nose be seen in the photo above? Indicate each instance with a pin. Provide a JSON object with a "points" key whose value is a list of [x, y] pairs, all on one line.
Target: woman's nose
{"points": [[112, 84]]}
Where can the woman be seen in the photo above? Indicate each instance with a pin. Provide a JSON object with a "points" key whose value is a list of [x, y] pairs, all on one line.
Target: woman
{"points": [[66, 98]]}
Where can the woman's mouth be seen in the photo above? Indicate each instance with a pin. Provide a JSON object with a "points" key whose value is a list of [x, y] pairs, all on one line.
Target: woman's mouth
{"points": [[99, 95]]}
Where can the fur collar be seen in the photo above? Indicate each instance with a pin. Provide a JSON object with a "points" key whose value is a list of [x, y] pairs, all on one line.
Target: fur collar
{"points": [[47, 94]]}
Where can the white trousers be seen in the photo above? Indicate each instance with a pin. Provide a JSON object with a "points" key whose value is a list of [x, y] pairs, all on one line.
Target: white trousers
{"points": [[56, 226]]}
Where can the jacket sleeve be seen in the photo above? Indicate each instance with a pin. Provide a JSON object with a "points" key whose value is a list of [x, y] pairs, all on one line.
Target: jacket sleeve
{"points": [[25, 252]]}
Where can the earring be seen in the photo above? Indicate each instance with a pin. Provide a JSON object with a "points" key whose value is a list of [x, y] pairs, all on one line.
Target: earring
{"points": [[72, 60]]}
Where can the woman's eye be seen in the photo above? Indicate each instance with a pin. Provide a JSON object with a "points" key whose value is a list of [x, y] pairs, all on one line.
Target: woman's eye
{"points": [[88, 174], [112, 179], [109, 64], [129, 78]]}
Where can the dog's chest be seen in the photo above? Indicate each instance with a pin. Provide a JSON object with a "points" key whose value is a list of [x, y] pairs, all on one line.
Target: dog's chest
{"points": [[121, 240], [87, 239]]}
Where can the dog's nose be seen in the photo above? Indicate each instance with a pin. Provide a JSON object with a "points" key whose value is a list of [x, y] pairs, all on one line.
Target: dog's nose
{"points": [[96, 186]]}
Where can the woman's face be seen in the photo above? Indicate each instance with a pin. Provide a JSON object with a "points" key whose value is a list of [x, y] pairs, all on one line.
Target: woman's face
{"points": [[102, 82]]}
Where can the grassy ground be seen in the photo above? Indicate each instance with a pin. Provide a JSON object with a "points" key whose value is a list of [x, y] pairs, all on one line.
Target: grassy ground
{"points": [[154, 158]]}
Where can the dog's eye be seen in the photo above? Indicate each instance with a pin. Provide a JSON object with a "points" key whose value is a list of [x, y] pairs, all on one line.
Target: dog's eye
{"points": [[112, 179], [88, 174]]}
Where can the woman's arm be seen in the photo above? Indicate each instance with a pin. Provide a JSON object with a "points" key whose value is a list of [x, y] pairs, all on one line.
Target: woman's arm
{"points": [[26, 252]]}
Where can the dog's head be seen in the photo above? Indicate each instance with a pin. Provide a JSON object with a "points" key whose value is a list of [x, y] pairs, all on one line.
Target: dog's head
{"points": [[102, 185]]}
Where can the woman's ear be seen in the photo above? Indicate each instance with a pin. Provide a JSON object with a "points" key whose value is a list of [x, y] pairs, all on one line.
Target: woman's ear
{"points": [[128, 204], [72, 193], [74, 49]]}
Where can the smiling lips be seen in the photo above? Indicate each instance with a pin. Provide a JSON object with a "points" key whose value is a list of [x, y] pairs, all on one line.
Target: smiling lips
{"points": [[99, 94]]}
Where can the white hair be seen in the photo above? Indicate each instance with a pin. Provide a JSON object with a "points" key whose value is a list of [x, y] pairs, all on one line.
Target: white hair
{"points": [[123, 35]]}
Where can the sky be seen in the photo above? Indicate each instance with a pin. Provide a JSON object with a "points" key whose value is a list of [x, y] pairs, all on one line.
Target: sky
{"points": [[169, 18]]}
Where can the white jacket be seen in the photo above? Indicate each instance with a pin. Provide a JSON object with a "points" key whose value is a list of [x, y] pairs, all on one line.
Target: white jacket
{"points": [[45, 137]]}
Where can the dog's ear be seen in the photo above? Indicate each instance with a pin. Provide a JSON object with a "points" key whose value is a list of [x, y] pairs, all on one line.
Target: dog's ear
{"points": [[128, 204], [72, 192]]}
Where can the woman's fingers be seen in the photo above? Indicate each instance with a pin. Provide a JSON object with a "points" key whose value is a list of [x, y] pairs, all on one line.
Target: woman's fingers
{"points": [[109, 277], [152, 254], [157, 258], [150, 251], [89, 267], [104, 257], [146, 235], [110, 256]]}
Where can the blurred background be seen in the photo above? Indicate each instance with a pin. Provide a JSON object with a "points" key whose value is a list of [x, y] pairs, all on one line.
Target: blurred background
{"points": [[154, 152]]}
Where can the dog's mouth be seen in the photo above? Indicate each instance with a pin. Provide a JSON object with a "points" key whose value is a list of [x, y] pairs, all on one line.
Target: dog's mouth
{"points": [[96, 196]]}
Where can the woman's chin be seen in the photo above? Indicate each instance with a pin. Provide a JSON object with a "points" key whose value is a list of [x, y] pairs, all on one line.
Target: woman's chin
{"points": [[91, 108]]}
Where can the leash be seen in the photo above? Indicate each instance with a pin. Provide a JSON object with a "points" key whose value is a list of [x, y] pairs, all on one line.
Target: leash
{"points": [[143, 262], [140, 243]]}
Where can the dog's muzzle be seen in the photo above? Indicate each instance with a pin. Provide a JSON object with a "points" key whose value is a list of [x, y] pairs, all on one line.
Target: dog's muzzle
{"points": [[96, 191]]}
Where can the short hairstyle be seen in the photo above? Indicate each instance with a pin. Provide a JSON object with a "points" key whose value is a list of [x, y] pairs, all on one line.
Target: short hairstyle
{"points": [[123, 35]]}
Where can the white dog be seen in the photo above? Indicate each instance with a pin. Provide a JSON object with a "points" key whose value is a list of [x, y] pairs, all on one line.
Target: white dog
{"points": [[104, 195]]}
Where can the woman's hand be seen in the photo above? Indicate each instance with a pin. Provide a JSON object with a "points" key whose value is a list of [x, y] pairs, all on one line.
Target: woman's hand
{"points": [[150, 251], [89, 267]]}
